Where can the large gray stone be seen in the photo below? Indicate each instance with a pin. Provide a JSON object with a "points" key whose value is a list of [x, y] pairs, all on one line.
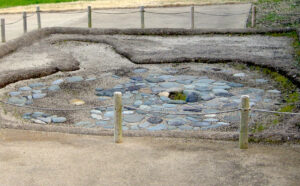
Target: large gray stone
{"points": [[133, 118], [17, 100], [177, 122]]}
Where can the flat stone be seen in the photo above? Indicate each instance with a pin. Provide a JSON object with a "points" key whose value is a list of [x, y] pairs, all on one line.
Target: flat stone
{"points": [[185, 127], [138, 103], [226, 87], [46, 120], [37, 91], [133, 118], [192, 119], [96, 116], [94, 111], [185, 82], [157, 127], [144, 125], [193, 97], [203, 88], [126, 112], [154, 80], [35, 85], [58, 119], [205, 81], [176, 101], [192, 109], [109, 114], [74, 79], [165, 105], [83, 123], [273, 91], [37, 114], [39, 95], [115, 77], [27, 115], [14, 93], [76, 102], [169, 85], [17, 100], [133, 88], [201, 124], [140, 70], [54, 88], [177, 122], [189, 87], [210, 120], [57, 82], [103, 98], [154, 120], [165, 94], [145, 108], [91, 79], [239, 75], [222, 123], [25, 89], [221, 92], [261, 81], [137, 78], [101, 123], [164, 98], [134, 127], [38, 121], [236, 85]]}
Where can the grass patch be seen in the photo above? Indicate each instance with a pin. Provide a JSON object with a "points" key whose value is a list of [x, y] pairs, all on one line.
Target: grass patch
{"points": [[177, 96], [11, 3]]}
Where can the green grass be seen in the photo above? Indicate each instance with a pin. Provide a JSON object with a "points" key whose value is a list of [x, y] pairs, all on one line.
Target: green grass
{"points": [[11, 3]]}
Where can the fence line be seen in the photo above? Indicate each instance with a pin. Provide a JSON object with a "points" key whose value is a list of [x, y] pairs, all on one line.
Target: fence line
{"points": [[142, 12]]}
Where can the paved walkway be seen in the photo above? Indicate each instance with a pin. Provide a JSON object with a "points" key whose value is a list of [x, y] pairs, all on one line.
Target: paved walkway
{"points": [[38, 158], [217, 16]]}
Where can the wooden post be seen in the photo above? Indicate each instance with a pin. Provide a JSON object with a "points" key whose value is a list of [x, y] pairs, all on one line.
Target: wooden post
{"points": [[89, 16], [192, 17], [3, 31], [253, 16], [38, 15], [24, 22], [142, 17], [118, 117], [245, 107]]}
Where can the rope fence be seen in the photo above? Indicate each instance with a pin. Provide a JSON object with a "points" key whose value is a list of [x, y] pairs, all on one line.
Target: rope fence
{"points": [[142, 12], [245, 113]]}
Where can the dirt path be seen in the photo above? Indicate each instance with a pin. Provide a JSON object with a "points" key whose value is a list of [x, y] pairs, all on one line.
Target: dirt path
{"points": [[36, 158], [132, 20]]}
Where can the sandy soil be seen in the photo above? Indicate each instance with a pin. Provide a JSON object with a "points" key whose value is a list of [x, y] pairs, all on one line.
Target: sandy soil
{"points": [[36, 158], [100, 4]]}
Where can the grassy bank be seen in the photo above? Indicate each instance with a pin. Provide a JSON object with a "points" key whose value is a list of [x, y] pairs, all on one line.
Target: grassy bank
{"points": [[12, 3], [278, 13]]}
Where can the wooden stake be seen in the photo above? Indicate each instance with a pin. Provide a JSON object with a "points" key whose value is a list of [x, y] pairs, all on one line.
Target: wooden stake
{"points": [[3, 31], [38, 14], [89, 16], [118, 117], [24, 22], [142, 17], [245, 107]]}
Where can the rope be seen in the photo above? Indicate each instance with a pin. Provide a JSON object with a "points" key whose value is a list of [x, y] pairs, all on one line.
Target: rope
{"points": [[14, 22], [115, 12], [275, 112], [166, 13], [203, 13], [53, 109], [180, 113], [78, 12]]}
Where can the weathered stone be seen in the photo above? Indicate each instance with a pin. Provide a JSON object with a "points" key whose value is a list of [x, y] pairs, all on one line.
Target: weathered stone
{"points": [[154, 120], [58, 119], [221, 92], [17, 100], [140, 70], [46, 119], [39, 95], [201, 124], [177, 122], [157, 127], [154, 80], [133, 118], [185, 127], [54, 88], [176, 102], [14, 93], [57, 82], [35, 85], [144, 125], [76, 102], [74, 79], [96, 116], [193, 97], [25, 89], [239, 75], [137, 78]]}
